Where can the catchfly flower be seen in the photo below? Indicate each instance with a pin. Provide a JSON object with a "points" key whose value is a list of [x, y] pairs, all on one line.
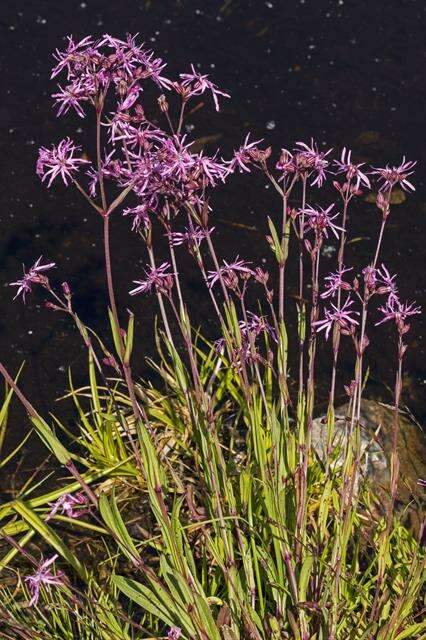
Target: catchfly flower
{"points": [[390, 176], [320, 221], [342, 316], [68, 505], [43, 576], [33, 276], [313, 160], [191, 237], [156, 278], [335, 282], [398, 311], [59, 161], [352, 171], [229, 269], [387, 282], [197, 84], [72, 55], [70, 97], [139, 214], [256, 325], [243, 157], [370, 278]]}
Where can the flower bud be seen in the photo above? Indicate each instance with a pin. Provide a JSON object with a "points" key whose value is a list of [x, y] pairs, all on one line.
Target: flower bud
{"points": [[66, 289], [163, 104]]}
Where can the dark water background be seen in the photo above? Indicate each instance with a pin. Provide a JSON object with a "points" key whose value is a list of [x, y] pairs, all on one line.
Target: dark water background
{"points": [[347, 72]]}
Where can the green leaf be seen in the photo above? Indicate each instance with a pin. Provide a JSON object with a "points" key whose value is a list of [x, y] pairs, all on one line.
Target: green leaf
{"points": [[115, 333], [129, 339], [276, 244], [50, 440], [114, 521], [305, 573], [147, 599]]}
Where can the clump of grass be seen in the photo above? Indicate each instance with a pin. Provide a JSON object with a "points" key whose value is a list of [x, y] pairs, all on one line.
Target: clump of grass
{"points": [[199, 507]]}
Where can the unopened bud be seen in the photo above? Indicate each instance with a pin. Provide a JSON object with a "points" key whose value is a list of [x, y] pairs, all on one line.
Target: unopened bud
{"points": [[163, 104], [66, 289]]}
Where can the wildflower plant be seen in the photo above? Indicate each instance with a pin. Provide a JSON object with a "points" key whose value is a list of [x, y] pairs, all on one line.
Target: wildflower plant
{"points": [[242, 529]]}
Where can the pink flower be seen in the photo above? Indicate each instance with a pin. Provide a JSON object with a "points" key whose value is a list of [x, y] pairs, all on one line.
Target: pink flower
{"points": [[198, 84], [286, 163], [336, 282], [352, 171], [243, 158], [140, 216], [387, 281], [314, 160], [67, 58], [228, 270], [153, 69], [43, 577], [70, 97], [370, 278], [342, 317], [66, 505], [397, 311], [390, 176], [256, 325], [59, 160], [320, 221], [191, 237], [155, 278], [32, 277], [174, 633]]}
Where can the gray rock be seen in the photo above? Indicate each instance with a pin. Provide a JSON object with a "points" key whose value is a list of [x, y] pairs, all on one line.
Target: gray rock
{"points": [[376, 428]]}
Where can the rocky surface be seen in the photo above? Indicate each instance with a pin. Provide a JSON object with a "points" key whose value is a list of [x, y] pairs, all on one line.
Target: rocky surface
{"points": [[376, 443]]}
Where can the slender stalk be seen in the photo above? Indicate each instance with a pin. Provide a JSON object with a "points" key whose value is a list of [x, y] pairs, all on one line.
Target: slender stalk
{"points": [[182, 111], [282, 264], [284, 245], [336, 330], [99, 109], [301, 307]]}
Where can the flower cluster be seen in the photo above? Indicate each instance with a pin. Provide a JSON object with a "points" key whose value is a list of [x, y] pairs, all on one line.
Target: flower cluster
{"points": [[250, 330], [91, 66], [305, 161]]}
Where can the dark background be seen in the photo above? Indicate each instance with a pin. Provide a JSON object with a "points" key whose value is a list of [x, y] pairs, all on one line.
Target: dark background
{"points": [[347, 72]]}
